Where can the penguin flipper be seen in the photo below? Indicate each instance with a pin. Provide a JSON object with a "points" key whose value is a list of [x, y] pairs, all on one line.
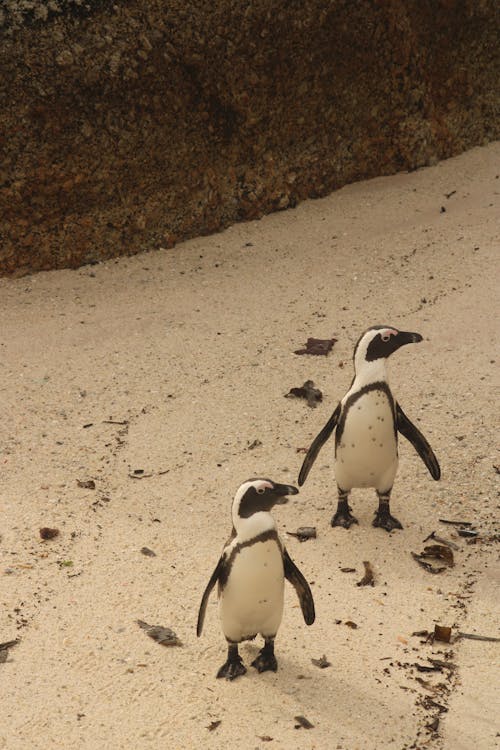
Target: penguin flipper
{"points": [[214, 578], [317, 444], [293, 574], [415, 437]]}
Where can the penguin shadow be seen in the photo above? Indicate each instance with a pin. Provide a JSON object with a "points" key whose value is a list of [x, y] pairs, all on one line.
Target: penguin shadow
{"points": [[307, 685]]}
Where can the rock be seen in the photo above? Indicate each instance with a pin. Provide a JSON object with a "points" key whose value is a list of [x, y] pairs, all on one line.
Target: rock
{"points": [[142, 101]]}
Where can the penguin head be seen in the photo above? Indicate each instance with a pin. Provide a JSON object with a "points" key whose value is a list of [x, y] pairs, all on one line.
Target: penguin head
{"points": [[379, 342], [258, 496]]}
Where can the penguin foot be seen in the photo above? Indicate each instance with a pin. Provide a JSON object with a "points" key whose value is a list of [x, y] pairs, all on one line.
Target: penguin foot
{"points": [[265, 662], [384, 520], [343, 517], [232, 669]]}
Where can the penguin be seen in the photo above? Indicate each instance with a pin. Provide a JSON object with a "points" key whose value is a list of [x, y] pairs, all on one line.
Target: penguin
{"points": [[251, 576], [367, 422]]}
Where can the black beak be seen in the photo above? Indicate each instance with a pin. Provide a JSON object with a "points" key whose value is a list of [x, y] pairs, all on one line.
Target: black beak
{"points": [[406, 337], [282, 490]]}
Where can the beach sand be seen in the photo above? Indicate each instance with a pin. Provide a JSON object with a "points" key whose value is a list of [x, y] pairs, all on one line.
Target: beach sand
{"points": [[173, 363]]}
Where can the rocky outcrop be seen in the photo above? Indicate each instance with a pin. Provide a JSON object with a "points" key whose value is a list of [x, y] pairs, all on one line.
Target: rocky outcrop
{"points": [[133, 125]]}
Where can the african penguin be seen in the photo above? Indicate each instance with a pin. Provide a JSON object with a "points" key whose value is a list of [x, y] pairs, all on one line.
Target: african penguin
{"points": [[367, 422], [251, 577]]}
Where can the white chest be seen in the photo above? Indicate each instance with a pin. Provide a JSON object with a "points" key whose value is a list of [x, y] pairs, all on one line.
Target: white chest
{"points": [[367, 446], [252, 599]]}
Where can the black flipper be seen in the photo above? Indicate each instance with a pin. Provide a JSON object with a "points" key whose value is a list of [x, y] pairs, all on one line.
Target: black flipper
{"points": [[213, 580], [413, 434], [293, 574], [317, 444]]}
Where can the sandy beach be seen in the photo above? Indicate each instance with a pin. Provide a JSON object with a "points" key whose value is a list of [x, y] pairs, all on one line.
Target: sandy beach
{"points": [[139, 393]]}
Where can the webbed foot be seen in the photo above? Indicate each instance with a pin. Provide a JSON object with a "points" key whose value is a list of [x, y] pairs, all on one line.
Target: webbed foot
{"points": [[384, 520], [233, 667], [266, 660], [343, 516]]}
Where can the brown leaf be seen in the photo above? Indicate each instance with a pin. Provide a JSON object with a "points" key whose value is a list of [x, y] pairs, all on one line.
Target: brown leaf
{"points": [[255, 444], [309, 392], [164, 636], [87, 484], [434, 725], [4, 649], [322, 662], [442, 633], [317, 346], [439, 551], [214, 724], [304, 533], [427, 566], [47, 533], [351, 624], [303, 722]]}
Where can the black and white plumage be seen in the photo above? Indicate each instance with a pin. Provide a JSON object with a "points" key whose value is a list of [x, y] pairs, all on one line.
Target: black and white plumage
{"points": [[367, 422], [251, 576]]}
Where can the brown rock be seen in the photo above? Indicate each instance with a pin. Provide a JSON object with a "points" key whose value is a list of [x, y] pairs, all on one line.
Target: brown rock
{"points": [[128, 120]]}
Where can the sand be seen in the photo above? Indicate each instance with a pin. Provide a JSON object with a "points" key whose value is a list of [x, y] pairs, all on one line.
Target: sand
{"points": [[174, 363]]}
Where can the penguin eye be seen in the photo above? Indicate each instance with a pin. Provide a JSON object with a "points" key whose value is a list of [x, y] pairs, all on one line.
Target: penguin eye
{"points": [[385, 336], [261, 490]]}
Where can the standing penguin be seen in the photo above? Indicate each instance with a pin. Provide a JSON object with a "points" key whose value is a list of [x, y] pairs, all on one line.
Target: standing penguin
{"points": [[251, 577], [368, 420]]}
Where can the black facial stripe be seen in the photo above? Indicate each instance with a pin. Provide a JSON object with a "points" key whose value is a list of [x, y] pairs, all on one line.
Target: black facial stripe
{"points": [[379, 349], [373, 328], [265, 536], [253, 502], [380, 385]]}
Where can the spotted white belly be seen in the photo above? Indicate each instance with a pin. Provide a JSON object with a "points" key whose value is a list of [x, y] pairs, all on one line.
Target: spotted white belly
{"points": [[252, 599], [367, 454]]}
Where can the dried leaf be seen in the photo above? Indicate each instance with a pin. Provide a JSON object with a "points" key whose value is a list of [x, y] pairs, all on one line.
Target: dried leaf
{"points": [[214, 724], [87, 484], [367, 579], [427, 668], [148, 552], [429, 703], [475, 637], [442, 633], [317, 346], [456, 523], [434, 725], [347, 570], [4, 649], [439, 551], [322, 662], [440, 664], [308, 391], [139, 474], [426, 565], [163, 636], [47, 533], [440, 539], [255, 444], [304, 533], [427, 685], [351, 624], [303, 722], [265, 738]]}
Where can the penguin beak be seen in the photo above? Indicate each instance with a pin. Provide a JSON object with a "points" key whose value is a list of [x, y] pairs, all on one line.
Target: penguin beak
{"points": [[406, 337], [281, 491]]}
